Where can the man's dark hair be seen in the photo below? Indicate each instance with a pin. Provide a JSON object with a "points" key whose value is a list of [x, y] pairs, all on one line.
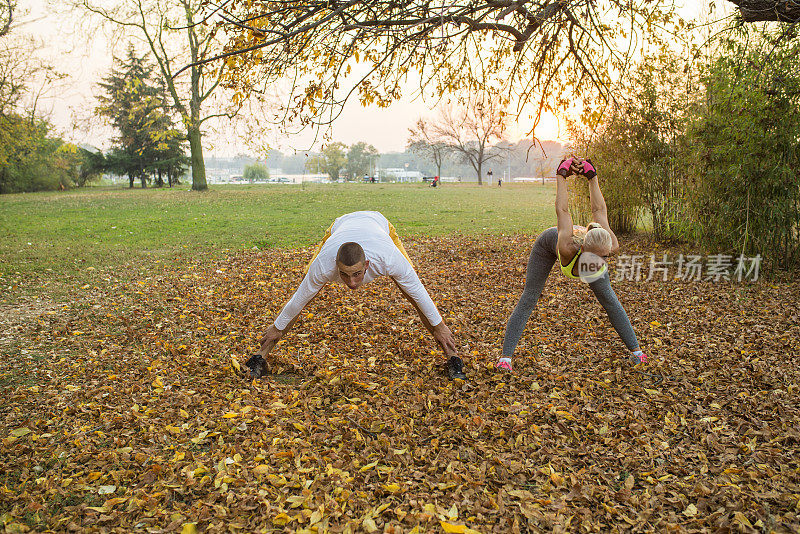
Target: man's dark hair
{"points": [[350, 253]]}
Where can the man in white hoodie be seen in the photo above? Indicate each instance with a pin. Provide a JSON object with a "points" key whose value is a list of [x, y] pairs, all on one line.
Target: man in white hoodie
{"points": [[357, 248]]}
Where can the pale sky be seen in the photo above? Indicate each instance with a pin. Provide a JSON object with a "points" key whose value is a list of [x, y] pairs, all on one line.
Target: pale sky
{"points": [[70, 103]]}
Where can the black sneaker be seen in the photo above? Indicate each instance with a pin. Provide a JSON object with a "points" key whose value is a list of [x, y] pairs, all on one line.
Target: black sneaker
{"points": [[257, 365], [455, 368]]}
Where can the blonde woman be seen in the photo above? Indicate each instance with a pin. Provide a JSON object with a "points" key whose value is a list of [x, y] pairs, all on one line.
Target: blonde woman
{"points": [[580, 252]]}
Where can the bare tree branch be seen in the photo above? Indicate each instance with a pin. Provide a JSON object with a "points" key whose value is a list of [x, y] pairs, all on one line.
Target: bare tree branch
{"points": [[6, 16], [471, 132], [768, 10]]}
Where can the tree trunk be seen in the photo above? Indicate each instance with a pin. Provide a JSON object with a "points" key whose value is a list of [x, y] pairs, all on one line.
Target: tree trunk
{"points": [[143, 178], [479, 165], [159, 179], [195, 136], [130, 181], [198, 164]]}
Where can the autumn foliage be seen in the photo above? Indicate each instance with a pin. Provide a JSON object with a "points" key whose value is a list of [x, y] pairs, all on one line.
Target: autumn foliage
{"points": [[124, 410]]}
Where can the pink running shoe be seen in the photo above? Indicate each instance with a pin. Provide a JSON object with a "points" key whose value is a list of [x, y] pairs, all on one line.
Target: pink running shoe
{"points": [[636, 360], [505, 365]]}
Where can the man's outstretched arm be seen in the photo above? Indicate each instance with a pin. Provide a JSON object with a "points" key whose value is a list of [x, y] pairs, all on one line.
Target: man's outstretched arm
{"points": [[309, 287], [273, 335], [441, 333]]}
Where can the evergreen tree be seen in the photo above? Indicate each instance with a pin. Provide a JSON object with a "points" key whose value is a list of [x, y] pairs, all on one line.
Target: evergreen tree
{"points": [[148, 143]]}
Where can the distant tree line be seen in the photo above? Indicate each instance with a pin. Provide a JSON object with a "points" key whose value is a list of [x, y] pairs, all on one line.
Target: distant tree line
{"points": [[523, 158], [32, 158], [337, 160]]}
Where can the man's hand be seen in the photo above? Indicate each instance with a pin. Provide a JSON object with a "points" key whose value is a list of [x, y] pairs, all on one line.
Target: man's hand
{"points": [[444, 337], [269, 340]]}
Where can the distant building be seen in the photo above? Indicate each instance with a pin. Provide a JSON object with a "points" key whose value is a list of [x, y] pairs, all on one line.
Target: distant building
{"points": [[90, 148], [398, 175]]}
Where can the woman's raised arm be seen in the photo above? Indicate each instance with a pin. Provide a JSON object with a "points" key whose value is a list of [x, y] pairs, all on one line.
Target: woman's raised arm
{"points": [[597, 202]]}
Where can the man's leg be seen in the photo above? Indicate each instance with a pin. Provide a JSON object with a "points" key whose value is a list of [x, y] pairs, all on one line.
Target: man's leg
{"points": [[319, 247], [428, 326], [453, 364], [398, 243]]}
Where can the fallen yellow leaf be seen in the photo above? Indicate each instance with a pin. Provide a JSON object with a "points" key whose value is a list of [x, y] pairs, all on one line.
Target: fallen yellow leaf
{"points": [[281, 519], [369, 524], [18, 433], [453, 513], [392, 488], [453, 529], [367, 467], [566, 415], [277, 480]]}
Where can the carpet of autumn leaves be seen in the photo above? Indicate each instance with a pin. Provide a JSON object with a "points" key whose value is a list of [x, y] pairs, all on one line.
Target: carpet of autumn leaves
{"points": [[124, 410]]}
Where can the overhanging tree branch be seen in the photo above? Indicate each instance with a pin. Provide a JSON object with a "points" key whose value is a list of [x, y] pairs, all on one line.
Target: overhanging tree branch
{"points": [[768, 10], [6, 16], [458, 47]]}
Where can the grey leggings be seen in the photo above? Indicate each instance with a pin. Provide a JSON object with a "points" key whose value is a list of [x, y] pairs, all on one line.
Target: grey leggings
{"points": [[543, 256]]}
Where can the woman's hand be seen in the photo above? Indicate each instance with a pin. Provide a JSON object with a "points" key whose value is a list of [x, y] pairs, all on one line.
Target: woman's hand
{"points": [[587, 169], [568, 167]]}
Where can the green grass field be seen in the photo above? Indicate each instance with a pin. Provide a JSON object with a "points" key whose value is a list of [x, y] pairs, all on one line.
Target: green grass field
{"points": [[77, 233]]}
